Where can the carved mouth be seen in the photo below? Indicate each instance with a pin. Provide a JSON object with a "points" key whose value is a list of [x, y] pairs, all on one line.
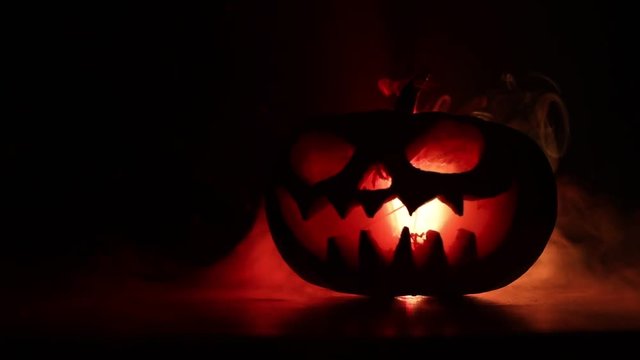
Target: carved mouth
{"points": [[434, 229]]}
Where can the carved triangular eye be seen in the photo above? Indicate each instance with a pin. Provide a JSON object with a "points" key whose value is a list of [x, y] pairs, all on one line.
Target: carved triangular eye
{"points": [[449, 147], [318, 156]]}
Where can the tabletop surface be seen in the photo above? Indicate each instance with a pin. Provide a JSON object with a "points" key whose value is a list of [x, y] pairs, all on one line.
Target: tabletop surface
{"points": [[253, 297]]}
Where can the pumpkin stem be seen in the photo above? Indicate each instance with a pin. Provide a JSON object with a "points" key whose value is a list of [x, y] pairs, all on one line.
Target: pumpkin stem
{"points": [[406, 101]]}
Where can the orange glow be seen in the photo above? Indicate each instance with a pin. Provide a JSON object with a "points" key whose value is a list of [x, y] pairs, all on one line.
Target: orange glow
{"points": [[449, 148], [390, 87], [376, 178], [489, 219], [411, 302], [430, 216], [317, 156], [411, 299]]}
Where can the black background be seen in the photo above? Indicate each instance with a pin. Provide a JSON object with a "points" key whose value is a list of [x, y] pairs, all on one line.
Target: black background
{"points": [[139, 136]]}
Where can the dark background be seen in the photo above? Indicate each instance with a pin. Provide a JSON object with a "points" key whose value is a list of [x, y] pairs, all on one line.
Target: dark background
{"points": [[138, 138]]}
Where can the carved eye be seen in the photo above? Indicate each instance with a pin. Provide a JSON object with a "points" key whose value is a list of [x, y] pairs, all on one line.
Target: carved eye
{"points": [[318, 156], [449, 148]]}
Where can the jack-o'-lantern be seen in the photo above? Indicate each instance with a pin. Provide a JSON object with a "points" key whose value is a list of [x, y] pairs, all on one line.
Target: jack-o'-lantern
{"points": [[389, 203]]}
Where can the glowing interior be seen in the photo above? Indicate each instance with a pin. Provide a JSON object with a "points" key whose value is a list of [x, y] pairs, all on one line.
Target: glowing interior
{"points": [[489, 219], [375, 178], [319, 156], [449, 148]]}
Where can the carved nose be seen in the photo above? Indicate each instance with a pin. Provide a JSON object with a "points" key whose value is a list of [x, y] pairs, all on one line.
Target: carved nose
{"points": [[375, 178]]}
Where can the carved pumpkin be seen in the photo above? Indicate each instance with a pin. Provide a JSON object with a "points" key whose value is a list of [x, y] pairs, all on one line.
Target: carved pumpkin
{"points": [[388, 203]]}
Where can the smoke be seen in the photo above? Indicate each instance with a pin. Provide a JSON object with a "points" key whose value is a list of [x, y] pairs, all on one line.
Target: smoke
{"points": [[592, 250], [256, 270], [595, 241]]}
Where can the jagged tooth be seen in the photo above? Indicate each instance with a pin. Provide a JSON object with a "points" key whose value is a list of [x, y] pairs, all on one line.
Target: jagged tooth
{"points": [[342, 208], [463, 249], [304, 206], [370, 208], [308, 208], [335, 260], [433, 237], [454, 201], [412, 203], [411, 207], [369, 258], [403, 255], [402, 271], [372, 201], [431, 252]]}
